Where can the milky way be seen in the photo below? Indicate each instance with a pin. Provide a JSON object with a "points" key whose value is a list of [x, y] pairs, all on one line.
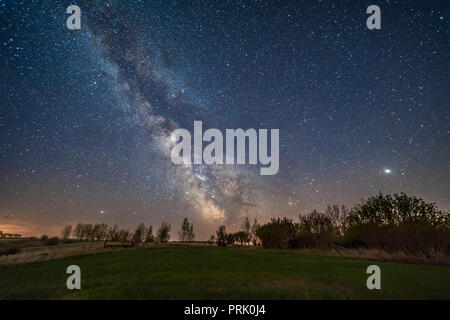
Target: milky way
{"points": [[86, 115]]}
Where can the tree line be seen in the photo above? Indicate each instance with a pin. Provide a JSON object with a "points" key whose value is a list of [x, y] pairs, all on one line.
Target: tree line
{"points": [[142, 233], [392, 223]]}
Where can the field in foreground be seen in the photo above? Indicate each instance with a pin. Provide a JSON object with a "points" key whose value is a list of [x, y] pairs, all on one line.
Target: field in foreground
{"points": [[220, 273]]}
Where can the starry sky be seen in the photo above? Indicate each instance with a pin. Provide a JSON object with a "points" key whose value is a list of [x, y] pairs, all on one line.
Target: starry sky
{"points": [[86, 115]]}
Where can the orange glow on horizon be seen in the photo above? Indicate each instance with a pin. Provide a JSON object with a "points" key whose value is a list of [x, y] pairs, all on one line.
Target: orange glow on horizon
{"points": [[27, 229]]}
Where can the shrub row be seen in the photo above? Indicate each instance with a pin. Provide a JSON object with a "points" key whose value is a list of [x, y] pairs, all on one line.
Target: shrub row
{"points": [[395, 223]]}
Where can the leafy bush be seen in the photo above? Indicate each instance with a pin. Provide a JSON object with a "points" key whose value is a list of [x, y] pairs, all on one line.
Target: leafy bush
{"points": [[242, 237], [315, 230], [230, 238], [278, 233], [52, 241], [224, 238], [398, 223], [44, 237]]}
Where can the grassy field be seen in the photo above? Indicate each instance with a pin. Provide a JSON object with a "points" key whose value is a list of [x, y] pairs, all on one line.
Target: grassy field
{"points": [[220, 273]]}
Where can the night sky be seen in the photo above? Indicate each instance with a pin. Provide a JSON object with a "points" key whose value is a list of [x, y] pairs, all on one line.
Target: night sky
{"points": [[85, 115]]}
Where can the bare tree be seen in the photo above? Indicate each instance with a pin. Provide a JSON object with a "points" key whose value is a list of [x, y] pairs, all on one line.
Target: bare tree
{"points": [[87, 232], [254, 239], [139, 233], [78, 231], [149, 237], [221, 236], [187, 231], [123, 235], [65, 233], [163, 232], [113, 233], [99, 231]]}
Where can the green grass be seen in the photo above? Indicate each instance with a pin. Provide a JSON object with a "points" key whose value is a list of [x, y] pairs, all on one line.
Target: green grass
{"points": [[219, 273]]}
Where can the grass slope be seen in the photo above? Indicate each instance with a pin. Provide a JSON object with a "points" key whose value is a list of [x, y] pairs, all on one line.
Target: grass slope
{"points": [[219, 273]]}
